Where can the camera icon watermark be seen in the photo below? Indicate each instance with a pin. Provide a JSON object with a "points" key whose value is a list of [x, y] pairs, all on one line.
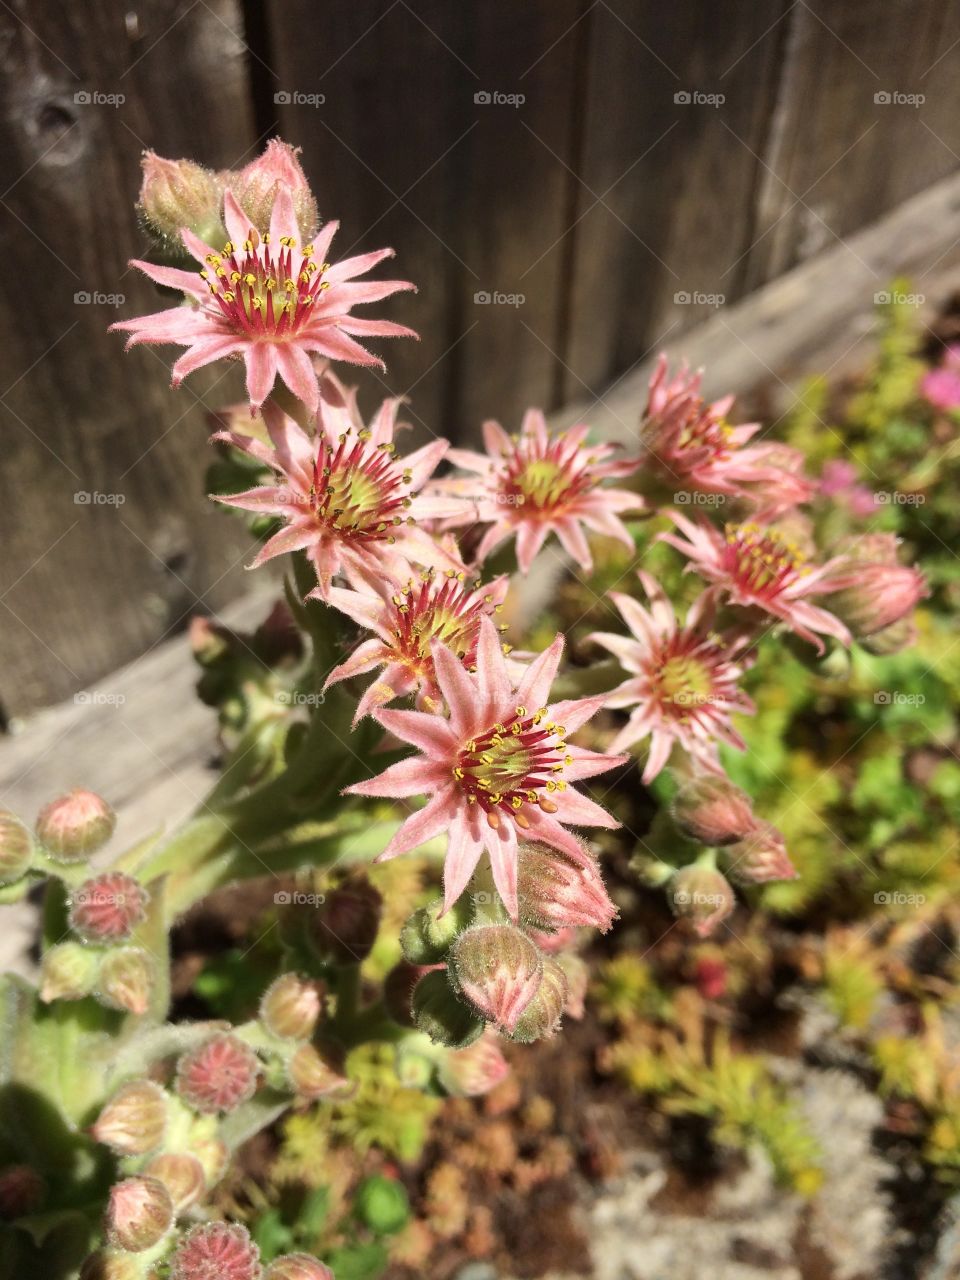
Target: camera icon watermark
{"points": [[94, 498], [94, 98], [897, 698], [697, 298], [495, 298], [697, 98], [98, 698], [897, 899], [894, 498], [494, 98], [294, 98], [297, 898], [294, 698], [84, 298], [694, 498], [891, 297]]}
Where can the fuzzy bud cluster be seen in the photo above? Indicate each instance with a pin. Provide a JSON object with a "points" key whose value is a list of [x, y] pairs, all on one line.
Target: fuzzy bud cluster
{"points": [[16, 848]]}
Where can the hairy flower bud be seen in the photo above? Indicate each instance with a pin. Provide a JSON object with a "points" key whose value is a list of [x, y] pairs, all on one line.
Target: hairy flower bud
{"points": [[139, 1214], [290, 1007], [430, 932], [314, 1074], [75, 826], [183, 1176], [68, 971], [107, 908], [210, 1150], [216, 1251], [498, 970], [16, 848], [344, 928], [256, 185], [126, 979], [134, 1120], [439, 1014], [297, 1266], [541, 1018], [179, 193], [712, 810], [760, 856], [471, 1072], [22, 1191], [219, 1075], [702, 895], [578, 982], [554, 892], [882, 591]]}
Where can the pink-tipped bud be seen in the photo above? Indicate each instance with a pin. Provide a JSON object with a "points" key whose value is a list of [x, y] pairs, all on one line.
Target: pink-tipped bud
{"points": [[298, 1266], [182, 1175], [68, 971], [759, 857], [22, 1191], [177, 194], [474, 1071], [702, 895], [882, 591], [316, 1075], [134, 1120], [497, 969], [75, 826], [555, 892], [256, 187], [344, 928], [127, 979], [713, 811], [541, 1018], [216, 1251], [290, 1007], [219, 1075], [108, 908], [16, 848], [139, 1214]]}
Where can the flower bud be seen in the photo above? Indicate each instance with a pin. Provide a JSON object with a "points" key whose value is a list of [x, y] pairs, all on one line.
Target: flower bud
{"points": [[398, 987], [126, 980], [882, 591], [182, 1175], [297, 1266], [541, 1018], [75, 826], [471, 1072], [702, 895], [134, 1120], [139, 1214], [344, 928], [893, 639], [439, 1014], [430, 932], [219, 1075], [759, 857], [290, 1007], [710, 978], [498, 970], [107, 908], [68, 971], [109, 1264], [712, 810], [16, 848], [209, 640], [216, 1251], [22, 1191], [578, 982], [256, 187], [179, 193], [555, 892], [314, 1074]]}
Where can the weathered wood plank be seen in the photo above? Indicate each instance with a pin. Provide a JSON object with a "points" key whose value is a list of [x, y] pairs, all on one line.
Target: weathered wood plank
{"points": [[84, 587], [466, 190], [667, 173]]}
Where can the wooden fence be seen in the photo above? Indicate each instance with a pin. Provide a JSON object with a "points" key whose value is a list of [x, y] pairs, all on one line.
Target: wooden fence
{"points": [[570, 183]]}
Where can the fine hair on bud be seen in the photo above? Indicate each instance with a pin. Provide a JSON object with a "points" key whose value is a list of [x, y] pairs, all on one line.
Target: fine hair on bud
{"points": [[74, 826], [219, 1075]]}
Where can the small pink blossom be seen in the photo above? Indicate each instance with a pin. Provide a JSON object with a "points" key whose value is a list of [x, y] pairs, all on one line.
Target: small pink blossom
{"points": [[346, 498], [839, 480], [216, 1251], [941, 387], [218, 1075], [269, 299], [405, 622], [690, 443], [498, 767], [534, 484], [683, 679], [760, 568]]}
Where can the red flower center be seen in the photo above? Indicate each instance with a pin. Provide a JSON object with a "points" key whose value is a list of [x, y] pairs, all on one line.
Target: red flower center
{"points": [[264, 291], [544, 479], [424, 612], [510, 765], [358, 489], [760, 561]]}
